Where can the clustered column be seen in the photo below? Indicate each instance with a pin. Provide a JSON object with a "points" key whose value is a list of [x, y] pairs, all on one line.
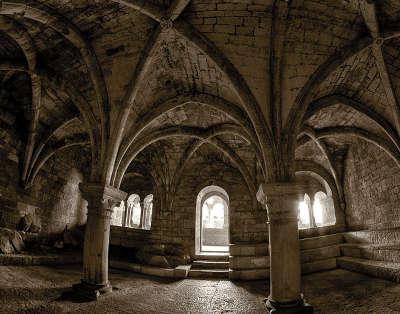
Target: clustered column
{"points": [[101, 201], [282, 201]]}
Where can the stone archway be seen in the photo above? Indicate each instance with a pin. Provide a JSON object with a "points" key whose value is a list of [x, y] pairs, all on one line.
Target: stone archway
{"points": [[212, 221]]}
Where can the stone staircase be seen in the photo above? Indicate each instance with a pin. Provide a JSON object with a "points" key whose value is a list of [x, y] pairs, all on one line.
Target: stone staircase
{"points": [[372, 252], [210, 266], [379, 269], [251, 261], [375, 253]]}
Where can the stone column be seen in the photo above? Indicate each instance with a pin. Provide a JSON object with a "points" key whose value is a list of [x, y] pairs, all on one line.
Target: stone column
{"points": [[311, 210], [282, 201], [101, 201]]}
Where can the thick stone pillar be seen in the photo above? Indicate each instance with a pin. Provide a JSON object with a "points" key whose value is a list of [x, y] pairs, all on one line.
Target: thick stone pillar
{"points": [[101, 201], [282, 201]]}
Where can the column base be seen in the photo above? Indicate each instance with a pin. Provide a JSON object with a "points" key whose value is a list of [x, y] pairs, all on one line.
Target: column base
{"points": [[90, 292], [295, 307]]}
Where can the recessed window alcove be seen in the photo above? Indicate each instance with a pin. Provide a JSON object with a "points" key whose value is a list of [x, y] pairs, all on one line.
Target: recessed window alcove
{"points": [[212, 221]]}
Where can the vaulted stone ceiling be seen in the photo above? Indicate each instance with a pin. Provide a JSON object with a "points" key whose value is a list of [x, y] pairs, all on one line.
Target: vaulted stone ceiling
{"points": [[239, 79]]}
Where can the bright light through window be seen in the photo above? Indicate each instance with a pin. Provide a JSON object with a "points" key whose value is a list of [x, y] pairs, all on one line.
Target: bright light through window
{"points": [[213, 212], [218, 210], [304, 214], [210, 201], [318, 215]]}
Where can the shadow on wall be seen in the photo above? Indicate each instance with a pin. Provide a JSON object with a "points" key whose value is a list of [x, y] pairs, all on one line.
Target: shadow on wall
{"points": [[52, 203], [372, 188]]}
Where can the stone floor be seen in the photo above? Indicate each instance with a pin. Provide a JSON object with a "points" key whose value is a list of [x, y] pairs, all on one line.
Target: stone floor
{"points": [[38, 290]]}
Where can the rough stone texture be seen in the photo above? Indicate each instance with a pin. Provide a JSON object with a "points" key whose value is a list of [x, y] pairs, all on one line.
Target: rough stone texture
{"points": [[39, 290], [34, 260], [379, 269], [322, 241], [252, 262], [372, 188], [240, 30], [371, 252], [54, 200], [165, 101], [385, 237], [11, 241], [247, 223]]}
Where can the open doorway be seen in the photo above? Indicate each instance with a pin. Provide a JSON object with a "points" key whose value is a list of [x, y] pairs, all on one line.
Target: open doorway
{"points": [[212, 221]]}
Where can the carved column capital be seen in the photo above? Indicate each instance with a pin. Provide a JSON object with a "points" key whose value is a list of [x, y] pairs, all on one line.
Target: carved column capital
{"points": [[281, 200], [101, 198]]}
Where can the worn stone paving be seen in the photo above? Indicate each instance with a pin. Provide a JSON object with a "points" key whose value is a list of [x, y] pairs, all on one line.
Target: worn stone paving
{"points": [[39, 290]]}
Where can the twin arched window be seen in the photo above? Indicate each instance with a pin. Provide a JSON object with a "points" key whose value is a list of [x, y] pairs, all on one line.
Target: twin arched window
{"points": [[135, 214], [316, 212]]}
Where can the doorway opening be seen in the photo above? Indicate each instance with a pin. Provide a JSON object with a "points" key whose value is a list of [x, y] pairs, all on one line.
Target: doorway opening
{"points": [[212, 221]]}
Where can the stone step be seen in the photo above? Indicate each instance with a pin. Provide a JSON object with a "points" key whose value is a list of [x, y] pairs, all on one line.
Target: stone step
{"points": [[319, 265], [321, 241], [216, 257], [206, 264], [321, 253], [388, 253], [209, 273], [263, 273], [379, 269], [149, 270]]}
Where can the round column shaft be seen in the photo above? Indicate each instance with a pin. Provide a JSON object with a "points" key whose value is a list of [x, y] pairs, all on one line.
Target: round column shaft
{"points": [[282, 201], [101, 201]]}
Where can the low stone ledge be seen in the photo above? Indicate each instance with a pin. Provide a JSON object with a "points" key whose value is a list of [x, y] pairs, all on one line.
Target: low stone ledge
{"points": [[36, 260], [321, 253], [389, 236], [321, 241], [388, 253], [379, 269], [182, 271], [178, 272], [248, 249], [248, 262], [316, 266]]}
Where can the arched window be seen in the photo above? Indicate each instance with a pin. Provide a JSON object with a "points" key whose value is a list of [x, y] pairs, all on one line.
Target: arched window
{"points": [[304, 216], [319, 212], [323, 210], [212, 221], [118, 214], [137, 215], [133, 212], [147, 211]]}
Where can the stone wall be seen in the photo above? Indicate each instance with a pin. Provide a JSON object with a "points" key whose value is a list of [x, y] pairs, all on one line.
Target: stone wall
{"points": [[372, 188], [177, 225], [54, 198], [247, 220]]}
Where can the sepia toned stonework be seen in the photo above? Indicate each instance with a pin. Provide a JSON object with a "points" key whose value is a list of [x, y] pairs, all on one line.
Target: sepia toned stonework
{"points": [[287, 110]]}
